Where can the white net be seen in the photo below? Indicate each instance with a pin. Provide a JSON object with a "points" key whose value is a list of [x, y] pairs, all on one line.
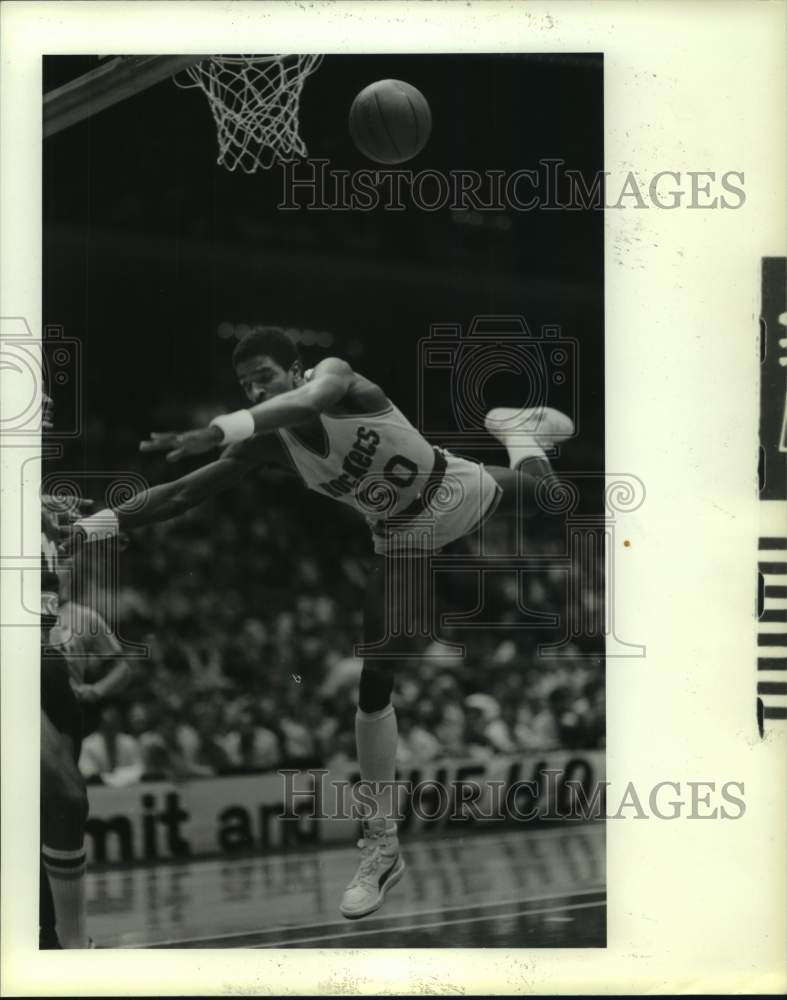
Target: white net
{"points": [[255, 102]]}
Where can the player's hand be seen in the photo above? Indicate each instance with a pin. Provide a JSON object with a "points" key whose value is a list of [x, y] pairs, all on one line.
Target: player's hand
{"points": [[73, 535], [177, 446], [66, 507]]}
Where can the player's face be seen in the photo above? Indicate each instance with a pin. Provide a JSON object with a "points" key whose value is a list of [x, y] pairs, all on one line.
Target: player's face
{"points": [[262, 378]]}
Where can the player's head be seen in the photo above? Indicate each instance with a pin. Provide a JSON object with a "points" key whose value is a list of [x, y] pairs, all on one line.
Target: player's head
{"points": [[267, 363], [110, 720]]}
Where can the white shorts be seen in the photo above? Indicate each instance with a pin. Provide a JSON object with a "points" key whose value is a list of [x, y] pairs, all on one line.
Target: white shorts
{"points": [[466, 495]]}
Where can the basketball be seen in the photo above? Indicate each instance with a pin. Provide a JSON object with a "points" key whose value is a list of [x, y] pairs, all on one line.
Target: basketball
{"points": [[390, 121]]}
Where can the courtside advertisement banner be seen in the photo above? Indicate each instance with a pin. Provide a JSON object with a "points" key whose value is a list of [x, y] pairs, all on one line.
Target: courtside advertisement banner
{"points": [[230, 816]]}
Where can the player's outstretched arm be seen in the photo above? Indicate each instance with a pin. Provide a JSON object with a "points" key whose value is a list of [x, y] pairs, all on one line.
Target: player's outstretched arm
{"points": [[118, 677], [104, 645], [160, 503], [330, 381]]}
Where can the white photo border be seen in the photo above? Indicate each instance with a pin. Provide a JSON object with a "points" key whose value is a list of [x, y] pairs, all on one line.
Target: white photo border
{"points": [[697, 86]]}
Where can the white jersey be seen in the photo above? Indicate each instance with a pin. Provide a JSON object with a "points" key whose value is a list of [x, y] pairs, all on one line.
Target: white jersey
{"points": [[380, 465], [377, 463]]}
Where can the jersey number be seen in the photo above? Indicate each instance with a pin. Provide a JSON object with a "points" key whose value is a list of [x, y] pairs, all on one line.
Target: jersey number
{"points": [[400, 471]]}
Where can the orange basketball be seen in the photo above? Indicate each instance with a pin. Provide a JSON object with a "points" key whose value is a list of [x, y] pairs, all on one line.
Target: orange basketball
{"points": [[390, 121]]}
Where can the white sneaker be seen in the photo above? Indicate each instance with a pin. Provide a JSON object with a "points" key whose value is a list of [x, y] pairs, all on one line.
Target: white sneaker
{"points": [[546, 426], [380, 869]]}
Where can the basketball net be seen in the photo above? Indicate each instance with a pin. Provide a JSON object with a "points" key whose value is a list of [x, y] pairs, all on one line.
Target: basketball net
{"points": [[255, 102]]}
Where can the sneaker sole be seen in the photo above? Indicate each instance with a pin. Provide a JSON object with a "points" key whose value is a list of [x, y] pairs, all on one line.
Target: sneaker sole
{"points": [[394, 877], [552, 428]]}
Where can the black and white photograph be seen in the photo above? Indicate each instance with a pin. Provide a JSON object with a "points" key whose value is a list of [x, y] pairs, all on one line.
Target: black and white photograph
{"points": [[330, 588], [393, 436]]}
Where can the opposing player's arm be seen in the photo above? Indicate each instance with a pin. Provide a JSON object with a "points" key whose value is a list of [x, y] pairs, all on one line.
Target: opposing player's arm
{"points": [[330, 381], [103, 644], [168, 500], [117, 677], [160, 503]]}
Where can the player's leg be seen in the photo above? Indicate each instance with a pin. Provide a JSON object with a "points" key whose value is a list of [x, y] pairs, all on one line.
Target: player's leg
{"points": [[64, 804], [376, 736], [47, 919], [65, 709], [63, 818], [525, 434]]}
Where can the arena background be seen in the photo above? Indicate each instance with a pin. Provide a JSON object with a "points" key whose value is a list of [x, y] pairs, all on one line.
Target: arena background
{"points": [[155, 258]]}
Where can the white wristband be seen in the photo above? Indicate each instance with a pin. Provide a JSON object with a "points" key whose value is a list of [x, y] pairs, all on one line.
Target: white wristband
{"points": [[235, 426], [99, 526]]}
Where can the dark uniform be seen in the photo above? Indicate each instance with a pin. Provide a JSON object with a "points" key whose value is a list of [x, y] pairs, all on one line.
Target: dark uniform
{"points": [[57, 698], [58, 701]]}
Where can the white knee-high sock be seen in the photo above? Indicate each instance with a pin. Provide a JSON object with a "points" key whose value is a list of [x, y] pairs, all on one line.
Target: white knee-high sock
{"points": [[534, 465], [376, 736], [526, 455], [517, 431], [66, 873]]}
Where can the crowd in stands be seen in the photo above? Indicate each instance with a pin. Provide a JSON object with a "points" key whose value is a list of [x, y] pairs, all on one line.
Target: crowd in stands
{"points": [[250, 607]]}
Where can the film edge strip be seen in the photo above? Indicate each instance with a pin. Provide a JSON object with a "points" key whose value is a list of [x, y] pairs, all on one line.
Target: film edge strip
{"points": [[771, 699]]}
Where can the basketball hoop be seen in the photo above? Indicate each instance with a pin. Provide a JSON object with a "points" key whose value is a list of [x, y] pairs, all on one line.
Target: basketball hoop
{"points": [[255, 102]]}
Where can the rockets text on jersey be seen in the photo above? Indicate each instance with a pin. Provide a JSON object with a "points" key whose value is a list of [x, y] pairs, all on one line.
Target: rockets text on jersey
{"points": [[355, 463], [368, 457]]}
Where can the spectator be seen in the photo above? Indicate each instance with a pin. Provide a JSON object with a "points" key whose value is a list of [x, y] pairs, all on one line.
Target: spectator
{"points": [[320, 719], [207, 718], [450, 731], [340, 671], [251, 616], [343, 753], [417, 744], [110, 756], [138, 719], [250, 746], [545, 733], [487, 731], [170, 751], [300, 744]]}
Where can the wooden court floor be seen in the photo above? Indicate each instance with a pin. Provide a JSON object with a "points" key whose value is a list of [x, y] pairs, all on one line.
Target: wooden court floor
{"points": [[527, 888]]}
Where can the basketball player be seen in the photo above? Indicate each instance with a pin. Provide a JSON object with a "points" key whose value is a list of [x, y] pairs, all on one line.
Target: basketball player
{"points": [[64, 806], [92, 650], [348, 441]]}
